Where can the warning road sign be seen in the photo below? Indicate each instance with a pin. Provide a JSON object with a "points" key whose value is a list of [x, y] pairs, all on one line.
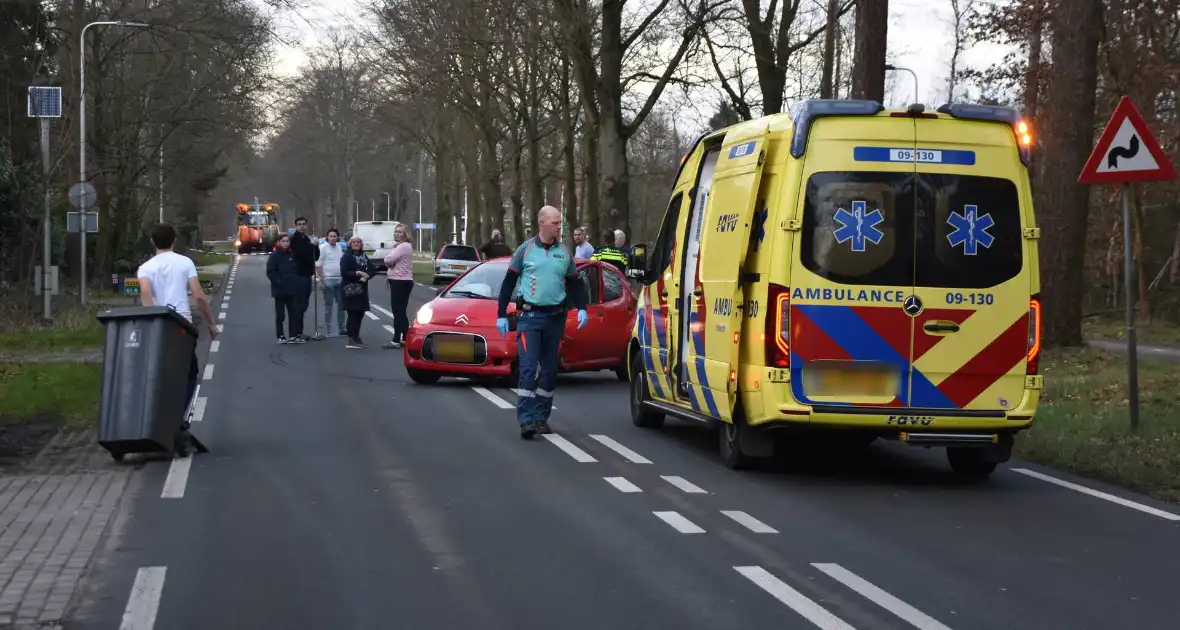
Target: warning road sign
{"points": [[1126, 152]]}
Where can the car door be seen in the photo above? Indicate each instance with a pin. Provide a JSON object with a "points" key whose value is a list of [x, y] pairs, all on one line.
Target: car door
{"points": [[577, 350], [617, 314]]}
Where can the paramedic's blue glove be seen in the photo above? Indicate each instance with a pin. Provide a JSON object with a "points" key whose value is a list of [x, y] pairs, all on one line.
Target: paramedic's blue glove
{"points": [[502, 326], [581, 318]]}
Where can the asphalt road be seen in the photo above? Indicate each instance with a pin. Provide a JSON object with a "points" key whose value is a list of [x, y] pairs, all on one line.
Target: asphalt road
{"points": [[339, 495]]}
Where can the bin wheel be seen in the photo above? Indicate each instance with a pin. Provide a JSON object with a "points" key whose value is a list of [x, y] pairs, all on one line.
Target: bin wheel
{"points": [[118, 456], [183, 444]]}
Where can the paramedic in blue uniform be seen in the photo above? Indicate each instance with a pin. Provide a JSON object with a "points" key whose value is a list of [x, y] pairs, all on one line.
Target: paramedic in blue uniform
{"points": [[549, 282]]}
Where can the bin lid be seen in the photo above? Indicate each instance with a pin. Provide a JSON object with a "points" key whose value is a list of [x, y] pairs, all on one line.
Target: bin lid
{"points": [[147, 312]]}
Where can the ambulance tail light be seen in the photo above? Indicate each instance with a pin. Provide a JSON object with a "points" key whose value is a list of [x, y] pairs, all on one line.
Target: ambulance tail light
{"points": [[1034, 334], [778, 327]]}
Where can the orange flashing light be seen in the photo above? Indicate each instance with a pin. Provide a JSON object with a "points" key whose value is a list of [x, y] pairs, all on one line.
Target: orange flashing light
{"points": [[1024, 133]]}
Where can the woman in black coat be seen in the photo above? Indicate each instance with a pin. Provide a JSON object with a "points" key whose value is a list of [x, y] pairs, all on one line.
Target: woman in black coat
{"points": [[284, 285], [354, 285]]}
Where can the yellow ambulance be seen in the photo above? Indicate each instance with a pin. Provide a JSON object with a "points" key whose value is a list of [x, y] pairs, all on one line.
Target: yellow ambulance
{"points": [[847, 268]]}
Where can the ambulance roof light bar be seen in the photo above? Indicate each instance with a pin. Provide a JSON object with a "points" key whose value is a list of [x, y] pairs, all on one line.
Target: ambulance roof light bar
{"points": [[807, 111], [992, 113]]}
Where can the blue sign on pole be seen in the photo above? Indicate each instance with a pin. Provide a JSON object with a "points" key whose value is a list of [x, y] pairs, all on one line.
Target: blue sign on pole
{"points": [[423, 226]]}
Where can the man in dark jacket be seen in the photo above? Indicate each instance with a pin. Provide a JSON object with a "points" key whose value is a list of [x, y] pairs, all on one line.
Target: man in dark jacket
{"points": [[306, 253], [495, 248]]}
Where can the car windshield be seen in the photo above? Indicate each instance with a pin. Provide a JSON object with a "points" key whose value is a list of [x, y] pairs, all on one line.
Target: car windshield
{"points": [[482, 283], [453, 252]]}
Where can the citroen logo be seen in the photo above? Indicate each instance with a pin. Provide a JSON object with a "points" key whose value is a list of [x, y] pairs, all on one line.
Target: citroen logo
{"points": [[462, 319], [912, 306]]}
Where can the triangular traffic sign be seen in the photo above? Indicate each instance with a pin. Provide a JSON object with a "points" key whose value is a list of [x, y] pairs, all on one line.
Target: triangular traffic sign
{"points": [[1127, 151]]}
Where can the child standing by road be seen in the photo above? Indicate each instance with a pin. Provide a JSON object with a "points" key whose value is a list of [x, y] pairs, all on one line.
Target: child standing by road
{"points": [[285, 283]]}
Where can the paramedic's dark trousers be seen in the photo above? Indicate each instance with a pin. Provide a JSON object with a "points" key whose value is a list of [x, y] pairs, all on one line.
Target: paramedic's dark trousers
{"points": [[538, 338]]}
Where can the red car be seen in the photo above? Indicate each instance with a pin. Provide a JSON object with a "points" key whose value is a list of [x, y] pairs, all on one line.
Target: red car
{"points": [[455, 333]]}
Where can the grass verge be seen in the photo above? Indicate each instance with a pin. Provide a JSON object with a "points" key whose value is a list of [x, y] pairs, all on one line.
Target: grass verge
{"points": [[1115, 329], [204, 259], [1083, 423], [66, 393], [71, 328]]}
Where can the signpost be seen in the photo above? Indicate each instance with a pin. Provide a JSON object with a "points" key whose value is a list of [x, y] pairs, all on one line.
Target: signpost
{"points": [[1127, 152], [44, 104]]}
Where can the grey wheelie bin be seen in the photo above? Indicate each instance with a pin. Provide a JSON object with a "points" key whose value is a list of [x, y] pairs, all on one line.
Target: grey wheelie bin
{"points": [[145, 372]]}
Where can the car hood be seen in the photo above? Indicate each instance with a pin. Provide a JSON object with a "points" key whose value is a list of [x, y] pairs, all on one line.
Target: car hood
{"points": [[478, 312]]}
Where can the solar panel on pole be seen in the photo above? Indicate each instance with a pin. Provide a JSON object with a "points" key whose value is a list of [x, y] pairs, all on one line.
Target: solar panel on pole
{"points": [[44, 101]]}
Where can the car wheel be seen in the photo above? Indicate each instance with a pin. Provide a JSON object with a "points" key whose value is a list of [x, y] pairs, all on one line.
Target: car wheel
{"points": [[642, 416], [970, 463], [422, 377]]}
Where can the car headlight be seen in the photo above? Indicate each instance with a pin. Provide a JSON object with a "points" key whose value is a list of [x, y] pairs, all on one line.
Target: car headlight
{"points": [[424, 314]]}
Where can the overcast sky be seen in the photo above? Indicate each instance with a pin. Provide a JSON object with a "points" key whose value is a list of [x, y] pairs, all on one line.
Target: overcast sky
{"points": [[919, 39]]}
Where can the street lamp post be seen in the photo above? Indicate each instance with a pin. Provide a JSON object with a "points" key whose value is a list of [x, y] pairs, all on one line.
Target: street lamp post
{"points": [[388, 206], [419, 218], [373, 209], [82, 128], [912, 73]]}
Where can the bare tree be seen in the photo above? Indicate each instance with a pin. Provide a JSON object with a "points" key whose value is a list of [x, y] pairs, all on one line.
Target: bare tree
{"points": [[961, 15], [868, 71]]}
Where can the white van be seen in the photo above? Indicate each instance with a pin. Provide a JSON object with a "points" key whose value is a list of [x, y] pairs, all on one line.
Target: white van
{"points": [[378, 238]]}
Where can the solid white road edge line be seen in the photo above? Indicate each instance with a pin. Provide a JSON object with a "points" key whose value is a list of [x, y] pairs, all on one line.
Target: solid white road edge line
{"points": [[568, 447], [208, 371], [628, 454], [797, 601], [1101, 495], [214, 345], [908, 613], [622, 485], [679, 523], [492, 398], [683, 484], [370, 315], [749, 522], [177, 478], [144, 601], [199, 408]]}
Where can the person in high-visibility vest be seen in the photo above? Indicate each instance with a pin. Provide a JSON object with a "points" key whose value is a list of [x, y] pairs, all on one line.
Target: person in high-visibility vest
{"points": [[611, 253]]}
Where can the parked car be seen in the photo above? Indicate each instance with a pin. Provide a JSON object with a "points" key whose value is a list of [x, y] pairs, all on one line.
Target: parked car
{"points": [[455, 333], [453, 261]]}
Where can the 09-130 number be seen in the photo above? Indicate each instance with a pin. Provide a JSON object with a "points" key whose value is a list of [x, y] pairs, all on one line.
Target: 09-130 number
{"points": [[975, 299]]}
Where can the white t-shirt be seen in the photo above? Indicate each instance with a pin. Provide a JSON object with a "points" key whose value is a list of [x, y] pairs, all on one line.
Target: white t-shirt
{"points": [[330, 260], [169, 274]]}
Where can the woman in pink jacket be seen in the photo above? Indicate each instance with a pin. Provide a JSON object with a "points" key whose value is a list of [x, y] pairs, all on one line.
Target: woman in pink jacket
{"points": [[399, 265]]}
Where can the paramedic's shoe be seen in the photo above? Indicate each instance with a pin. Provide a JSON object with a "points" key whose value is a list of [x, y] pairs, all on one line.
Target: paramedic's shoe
{"points": [[527, 430], [543, 427]]}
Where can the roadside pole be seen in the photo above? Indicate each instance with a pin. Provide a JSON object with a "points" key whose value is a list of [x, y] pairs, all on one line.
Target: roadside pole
{"points": [[45, 103], [1119, 158]]}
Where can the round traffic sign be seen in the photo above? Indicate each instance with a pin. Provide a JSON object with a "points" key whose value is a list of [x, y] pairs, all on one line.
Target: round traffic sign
{"points": [[83, 196]]}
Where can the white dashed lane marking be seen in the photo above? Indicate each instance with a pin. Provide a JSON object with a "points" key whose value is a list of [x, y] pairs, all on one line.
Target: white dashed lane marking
{"points": [[1097, 494], [221, 328], [679, 523], [797, 601], [749, 522], [214, 345], [144, 602], [627, 453], [371, 316], [177, 478], [199, 408], [221, 315], [622, 484], [683, 484], [383, 311], [915, 617], [492, 398], [569, 448], [208, 371]]}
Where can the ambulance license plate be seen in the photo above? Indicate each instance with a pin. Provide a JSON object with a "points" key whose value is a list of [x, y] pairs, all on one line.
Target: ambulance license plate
{"points": [[853, 381], [454, 349]]}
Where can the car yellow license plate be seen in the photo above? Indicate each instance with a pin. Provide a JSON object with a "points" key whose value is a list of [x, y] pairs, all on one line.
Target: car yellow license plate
{"points": [[852, 381], [459, 349]]}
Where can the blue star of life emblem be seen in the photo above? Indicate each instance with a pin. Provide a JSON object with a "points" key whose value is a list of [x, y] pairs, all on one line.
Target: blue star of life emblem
{"points": [[759, 233], [859, 227], [970, 230]]}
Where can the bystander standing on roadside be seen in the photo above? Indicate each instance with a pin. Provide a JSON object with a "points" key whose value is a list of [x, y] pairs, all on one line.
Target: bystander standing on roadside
{"points": [[495, 248], [283, 272], [167, 279], [399, 271], [327, 268], [306, 254], [610, 252], [583, 250], [354, 284]]}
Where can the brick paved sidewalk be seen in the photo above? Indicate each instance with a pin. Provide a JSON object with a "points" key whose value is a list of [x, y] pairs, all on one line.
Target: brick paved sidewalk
{"points": [[52, 518]]}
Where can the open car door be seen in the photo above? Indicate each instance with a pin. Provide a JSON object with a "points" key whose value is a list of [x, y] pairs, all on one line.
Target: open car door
{"points": [[724, 241]]}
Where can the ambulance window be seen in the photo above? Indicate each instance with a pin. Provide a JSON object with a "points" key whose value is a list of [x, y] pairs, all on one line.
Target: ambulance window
{"points": [[858, 228], [660, 255], [969, 231]]}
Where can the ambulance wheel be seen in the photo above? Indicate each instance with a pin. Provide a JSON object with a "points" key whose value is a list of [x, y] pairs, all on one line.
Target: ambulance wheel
{"points": [[422, 377], [642, 416], [970, 463], [741, 446]]}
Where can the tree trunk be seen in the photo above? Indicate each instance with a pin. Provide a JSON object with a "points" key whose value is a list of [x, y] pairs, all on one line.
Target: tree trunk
{"points": [[868, 64], [569, 173], [616, 183], [826, 87], [590, 199], [517, 193], [1067, 137], [1032, 75]]}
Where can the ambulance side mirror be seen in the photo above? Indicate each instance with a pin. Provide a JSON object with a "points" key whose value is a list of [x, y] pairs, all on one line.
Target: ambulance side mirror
{"points": [[637, 262]]}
